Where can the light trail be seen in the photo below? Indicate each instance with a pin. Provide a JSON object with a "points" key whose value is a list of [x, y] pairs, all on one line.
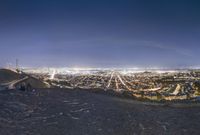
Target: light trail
{"points": [[153, 89], [176, 91], [81, 80], [53, 74], [110, 80], [123, 78], [116, 84], [120, 79]]}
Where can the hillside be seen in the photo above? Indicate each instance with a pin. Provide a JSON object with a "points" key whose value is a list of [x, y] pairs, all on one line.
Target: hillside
{"points": [[7, 75], [78, 112]]}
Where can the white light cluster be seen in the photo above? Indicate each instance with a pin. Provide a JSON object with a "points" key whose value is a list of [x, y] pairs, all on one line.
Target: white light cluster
{"points": [[85, 71]]}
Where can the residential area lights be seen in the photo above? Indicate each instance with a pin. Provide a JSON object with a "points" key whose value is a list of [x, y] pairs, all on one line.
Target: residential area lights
{"points": [[152, 84]]}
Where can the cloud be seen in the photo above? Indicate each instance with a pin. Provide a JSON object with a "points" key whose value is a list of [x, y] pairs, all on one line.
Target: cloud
{"points": [[174, 48], [107, 41]]}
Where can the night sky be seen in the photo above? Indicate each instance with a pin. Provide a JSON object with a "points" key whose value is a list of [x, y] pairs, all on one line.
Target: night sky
{"points": [[103, 33]]}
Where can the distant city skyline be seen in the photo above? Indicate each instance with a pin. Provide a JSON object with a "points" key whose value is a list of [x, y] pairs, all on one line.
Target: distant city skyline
{"points": [[104, 33]]}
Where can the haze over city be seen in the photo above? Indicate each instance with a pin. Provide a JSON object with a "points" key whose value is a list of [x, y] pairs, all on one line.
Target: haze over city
{"points": [[106, 33], [99, 67]]}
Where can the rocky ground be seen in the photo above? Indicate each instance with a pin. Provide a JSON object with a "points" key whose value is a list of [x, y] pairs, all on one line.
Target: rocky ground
{"points": [[76, 112]]}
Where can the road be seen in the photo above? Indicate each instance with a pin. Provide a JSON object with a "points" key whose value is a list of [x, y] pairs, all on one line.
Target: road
{"points": [[76, 112], [11, 85]]}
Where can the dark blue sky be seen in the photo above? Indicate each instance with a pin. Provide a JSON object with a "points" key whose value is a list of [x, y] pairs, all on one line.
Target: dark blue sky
{"points": [[103, 33]]}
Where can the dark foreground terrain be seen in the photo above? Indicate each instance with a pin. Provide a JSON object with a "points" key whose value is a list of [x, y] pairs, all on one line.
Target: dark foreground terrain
{"points": [[75, 112]]}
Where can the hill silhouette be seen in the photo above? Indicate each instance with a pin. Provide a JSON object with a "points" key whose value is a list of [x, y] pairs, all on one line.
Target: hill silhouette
{"points": [[7, 75]]}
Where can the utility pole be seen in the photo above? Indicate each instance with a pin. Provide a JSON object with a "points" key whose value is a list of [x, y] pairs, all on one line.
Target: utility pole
{"points": [[17, 65]]}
